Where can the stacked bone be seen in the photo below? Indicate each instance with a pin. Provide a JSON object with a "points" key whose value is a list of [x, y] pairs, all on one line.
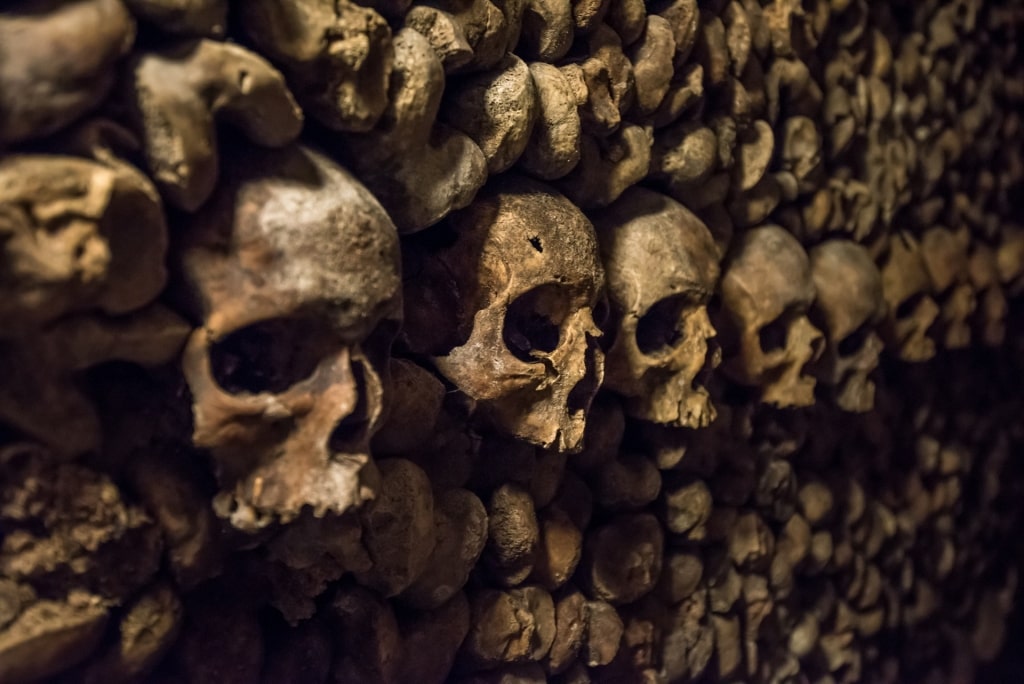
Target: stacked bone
{"points": [[508, 340]]}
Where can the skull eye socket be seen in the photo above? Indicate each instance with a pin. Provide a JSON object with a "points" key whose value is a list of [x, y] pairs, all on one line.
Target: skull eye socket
{"points": [[909, 305], [659, 330], [855, 341], [774, 335], [269, 356], [533, 321]]}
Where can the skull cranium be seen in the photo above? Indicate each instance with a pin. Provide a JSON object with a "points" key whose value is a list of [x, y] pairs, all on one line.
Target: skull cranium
{"points": [[768, 340], [338, 56], [662, 267], [502, 297], [848, 307], [907, 287], [294, 270]]}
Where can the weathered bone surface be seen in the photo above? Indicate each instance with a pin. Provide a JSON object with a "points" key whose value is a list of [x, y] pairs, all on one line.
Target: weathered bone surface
{"points": [[554, 145], [911, 309], [250, 472], [176, 98], [505, 308], [419, 168], [848, 306], [77, 236], [64, 519], [496, 109], [767, 292], [292, 269], [661, 267], [337, 56]]}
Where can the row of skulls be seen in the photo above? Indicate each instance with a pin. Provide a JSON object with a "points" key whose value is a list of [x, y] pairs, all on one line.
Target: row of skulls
{"points": [[296, 275], [520, 302]]}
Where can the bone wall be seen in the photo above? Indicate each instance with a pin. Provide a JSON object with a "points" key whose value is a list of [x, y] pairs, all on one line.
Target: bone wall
{"points": [[510, 340]]}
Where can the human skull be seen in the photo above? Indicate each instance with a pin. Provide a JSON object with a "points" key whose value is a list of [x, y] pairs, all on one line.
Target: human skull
{"points": [[293, 267], [76, 236], [906, 286], [662, 267], [945, 255], [502, 297], [768, 340], [848, 307]]}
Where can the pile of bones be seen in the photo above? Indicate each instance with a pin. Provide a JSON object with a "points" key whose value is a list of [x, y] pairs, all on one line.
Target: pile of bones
{"points": [[388, 341]]}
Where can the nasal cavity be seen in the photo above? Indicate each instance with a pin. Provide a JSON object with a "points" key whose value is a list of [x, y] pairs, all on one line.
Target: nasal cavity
{"points": [[583, 393], [351, 433]]}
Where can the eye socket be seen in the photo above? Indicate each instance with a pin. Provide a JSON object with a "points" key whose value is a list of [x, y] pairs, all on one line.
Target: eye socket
{"points": [[269, 356], [855, 341], [659, 329], [533, 321], [773, 336], [908, 305]]}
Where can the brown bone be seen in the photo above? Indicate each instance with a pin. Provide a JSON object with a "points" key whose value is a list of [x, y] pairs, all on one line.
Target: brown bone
{"points": [[176, 98], [56, 62], [338, 56]]}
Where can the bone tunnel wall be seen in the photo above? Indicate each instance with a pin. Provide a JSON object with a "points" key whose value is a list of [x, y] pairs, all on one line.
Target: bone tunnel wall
{"points": [[501, 341]]}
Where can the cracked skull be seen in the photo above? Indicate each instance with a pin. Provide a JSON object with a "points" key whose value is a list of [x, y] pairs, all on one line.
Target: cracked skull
{"points": [[662, 267], [768, 340], [294, 270], [848, 308], [502, 296]]}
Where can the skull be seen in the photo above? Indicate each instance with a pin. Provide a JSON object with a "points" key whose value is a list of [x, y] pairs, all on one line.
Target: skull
{"points": [[502, 296], [849, 305], [293, 269], [946, 261], [662, 267], [768, 340], [906, 286]]}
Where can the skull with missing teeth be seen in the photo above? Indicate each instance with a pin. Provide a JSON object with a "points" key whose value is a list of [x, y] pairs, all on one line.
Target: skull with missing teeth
{"points": [[768, 339], [662, 267], [293, 268], [848, 308], [501, 296]]}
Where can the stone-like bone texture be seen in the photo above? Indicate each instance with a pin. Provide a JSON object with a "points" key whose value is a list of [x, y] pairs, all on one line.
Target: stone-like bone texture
{"points": [[505, 308], [293, 270], [661, 266], [225, 459]]}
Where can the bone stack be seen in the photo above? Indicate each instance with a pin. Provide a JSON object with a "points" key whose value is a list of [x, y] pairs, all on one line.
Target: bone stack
{"points": [[510, 340]]}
